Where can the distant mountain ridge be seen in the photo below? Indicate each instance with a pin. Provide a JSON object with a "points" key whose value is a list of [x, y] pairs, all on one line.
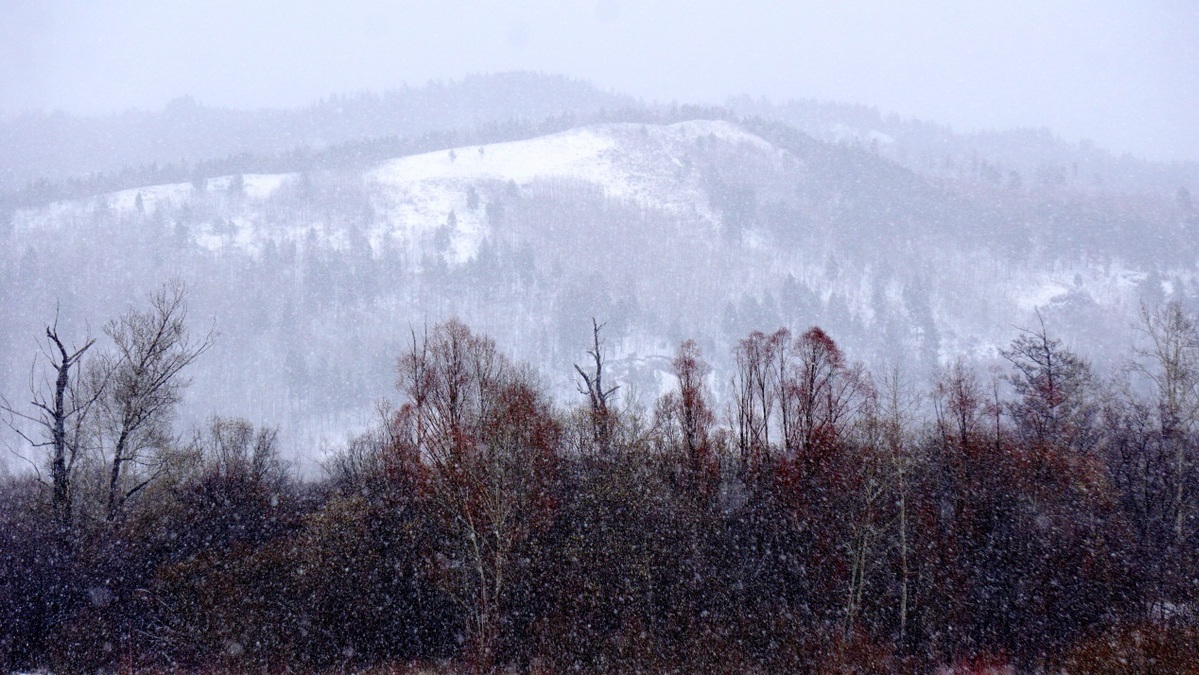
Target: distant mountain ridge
{"points": [[1032, 156], [57, 146], [49, 156]]}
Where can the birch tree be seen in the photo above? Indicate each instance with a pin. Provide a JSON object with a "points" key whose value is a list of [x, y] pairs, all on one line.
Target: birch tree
{"points": [[139, 386], [1170, 359], [487, 444]]}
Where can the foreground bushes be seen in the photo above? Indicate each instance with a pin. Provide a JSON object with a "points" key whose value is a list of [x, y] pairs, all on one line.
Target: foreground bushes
{"points": [[821, 529]]}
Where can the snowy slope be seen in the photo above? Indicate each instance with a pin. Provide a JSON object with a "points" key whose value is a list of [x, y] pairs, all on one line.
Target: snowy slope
{"points": [[416, 194], [699, 228], [625, 163], [413, 199]]}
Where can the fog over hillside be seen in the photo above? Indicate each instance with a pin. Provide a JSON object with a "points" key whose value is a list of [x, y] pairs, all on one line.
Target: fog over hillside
{"points": [[55, 146], [908, 243]]}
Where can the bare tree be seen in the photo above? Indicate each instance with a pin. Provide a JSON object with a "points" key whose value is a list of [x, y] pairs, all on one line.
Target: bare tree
{"points": [[1055, 390], [876, 511], [598, 396], [486, 443], [140, 384], [60, 410], [762, 363], [899, 408], [867, 514], [236, 452], [1173, 352], [957, 401], [686, 416], [823, 394]]}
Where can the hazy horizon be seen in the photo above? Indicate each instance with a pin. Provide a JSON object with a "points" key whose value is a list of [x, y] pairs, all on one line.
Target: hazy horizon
{"points": [[1123, 75]]}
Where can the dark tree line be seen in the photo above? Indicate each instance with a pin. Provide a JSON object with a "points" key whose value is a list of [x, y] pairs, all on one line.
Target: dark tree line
{"points": [[825, 518]]}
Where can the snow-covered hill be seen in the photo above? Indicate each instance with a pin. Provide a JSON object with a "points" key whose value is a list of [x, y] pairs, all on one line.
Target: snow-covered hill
{"points": [[704, 229], [415, 194]]}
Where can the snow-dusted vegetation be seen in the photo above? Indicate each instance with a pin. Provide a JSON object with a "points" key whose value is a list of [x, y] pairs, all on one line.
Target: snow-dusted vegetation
{"points": [[599, 386], [665, 230]]}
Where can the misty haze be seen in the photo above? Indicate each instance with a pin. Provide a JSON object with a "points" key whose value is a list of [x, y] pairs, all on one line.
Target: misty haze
{"points": [[599, 337]]}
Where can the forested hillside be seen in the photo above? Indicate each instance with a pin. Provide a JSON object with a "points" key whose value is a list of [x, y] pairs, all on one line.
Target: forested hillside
{"points": [[667, 226]]}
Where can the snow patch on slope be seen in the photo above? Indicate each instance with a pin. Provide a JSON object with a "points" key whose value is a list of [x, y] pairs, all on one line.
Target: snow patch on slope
{"points": [[418, 195], [626, 161]]}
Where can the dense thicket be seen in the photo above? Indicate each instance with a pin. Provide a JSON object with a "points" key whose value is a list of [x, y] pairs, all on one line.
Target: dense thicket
{"points": [[824, 519]]}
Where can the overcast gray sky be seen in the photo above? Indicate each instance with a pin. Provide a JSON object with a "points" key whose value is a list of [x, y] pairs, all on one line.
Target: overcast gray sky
{"points": [[1125, 74]]}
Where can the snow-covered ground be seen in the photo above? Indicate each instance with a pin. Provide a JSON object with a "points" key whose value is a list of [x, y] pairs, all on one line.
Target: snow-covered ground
{"points": [[631, 162]]}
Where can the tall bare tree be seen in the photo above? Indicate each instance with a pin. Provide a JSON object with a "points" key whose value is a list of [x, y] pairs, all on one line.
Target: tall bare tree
{"points": [[486, 444], [823, 393], [690, 412], [763, 363], [1173, 367], [141, 383], [60, 410], [598, 396]]}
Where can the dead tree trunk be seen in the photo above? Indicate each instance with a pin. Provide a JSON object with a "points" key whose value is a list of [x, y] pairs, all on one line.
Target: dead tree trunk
{"points": [[57, 414], [598, 397], [60, 463]]}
